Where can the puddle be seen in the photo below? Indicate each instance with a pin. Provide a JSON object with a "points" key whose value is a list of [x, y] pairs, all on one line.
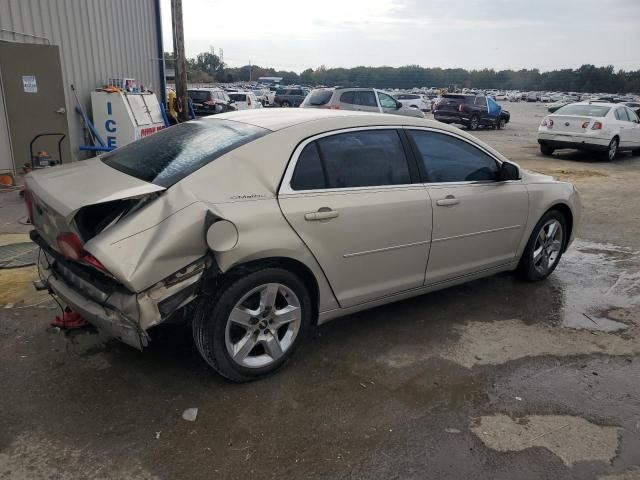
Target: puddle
{"points": [[573, 439], [594, 279]]}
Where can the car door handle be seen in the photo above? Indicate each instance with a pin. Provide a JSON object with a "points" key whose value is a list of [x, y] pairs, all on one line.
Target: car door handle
{"points": [[447, 201], [323, 213]]}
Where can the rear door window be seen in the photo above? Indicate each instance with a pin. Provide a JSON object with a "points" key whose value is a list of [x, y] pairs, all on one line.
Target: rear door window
{"points": [[309, 172], [621, 114], [449, 159], [170, 155], [363, 159], [348, 97]]}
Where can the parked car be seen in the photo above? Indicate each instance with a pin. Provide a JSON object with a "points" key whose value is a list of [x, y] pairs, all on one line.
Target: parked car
{"points": [[359, 99], [265, 225], [414, 100], [591, 126], [245, 100], [289, 97], [532, 97], [207, 101], [468, 110]]}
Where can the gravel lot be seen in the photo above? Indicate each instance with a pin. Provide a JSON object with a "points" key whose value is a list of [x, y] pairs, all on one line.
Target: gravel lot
{"points": [[496, 379]]}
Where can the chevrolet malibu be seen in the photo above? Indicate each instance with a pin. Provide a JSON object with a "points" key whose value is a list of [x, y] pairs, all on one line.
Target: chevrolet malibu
{"points": [[262, 224]]}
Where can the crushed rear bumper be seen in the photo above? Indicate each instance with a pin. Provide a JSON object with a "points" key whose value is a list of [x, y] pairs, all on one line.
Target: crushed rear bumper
{"points": [[109, 306]]}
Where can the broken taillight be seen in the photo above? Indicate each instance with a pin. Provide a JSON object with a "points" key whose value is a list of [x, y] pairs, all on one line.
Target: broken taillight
{"points": [[28, 199], [70, 245]]}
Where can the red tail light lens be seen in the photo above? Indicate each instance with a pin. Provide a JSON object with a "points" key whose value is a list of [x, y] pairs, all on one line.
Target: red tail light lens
{"points": [[94, 262], [597, 126], [585, 125], [547, 122], [70, 245], [248, 100]]}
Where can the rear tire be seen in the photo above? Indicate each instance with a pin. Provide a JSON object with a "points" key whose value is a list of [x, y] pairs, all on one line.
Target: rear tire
{"points": [[610, 154], [547, 150], [246, 333], [474, 123], [544, 248]]}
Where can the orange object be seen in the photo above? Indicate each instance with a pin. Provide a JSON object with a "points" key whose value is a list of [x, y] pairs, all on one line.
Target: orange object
{"points": [[7, 179]]}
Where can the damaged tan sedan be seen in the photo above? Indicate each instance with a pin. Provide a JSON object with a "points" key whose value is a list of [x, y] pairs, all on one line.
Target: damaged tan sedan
{"points": [[265, 223]]}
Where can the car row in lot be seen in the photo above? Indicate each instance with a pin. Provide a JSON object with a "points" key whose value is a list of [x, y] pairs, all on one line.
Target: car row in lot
{"points": [[258, 225], [602, 127]]}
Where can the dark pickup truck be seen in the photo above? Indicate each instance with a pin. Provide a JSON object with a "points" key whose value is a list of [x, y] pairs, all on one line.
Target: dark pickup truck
{"points": [[469, 110], [290, 97]]}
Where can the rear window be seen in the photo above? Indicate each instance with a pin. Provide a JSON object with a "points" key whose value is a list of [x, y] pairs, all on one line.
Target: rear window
{"points": [[320, 97], [238, 97], [584, 110], [170, 155], [199, 96]]}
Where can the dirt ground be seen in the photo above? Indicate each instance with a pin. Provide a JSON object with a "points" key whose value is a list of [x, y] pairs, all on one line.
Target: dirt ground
{"points": [[496, 379]]}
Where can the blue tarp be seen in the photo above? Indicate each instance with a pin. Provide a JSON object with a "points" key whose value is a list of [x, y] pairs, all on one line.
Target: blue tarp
{"points": [[494, 108]]}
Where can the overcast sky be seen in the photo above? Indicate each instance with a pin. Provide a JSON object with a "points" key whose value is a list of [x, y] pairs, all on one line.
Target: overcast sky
{"points": [[472, 34]]}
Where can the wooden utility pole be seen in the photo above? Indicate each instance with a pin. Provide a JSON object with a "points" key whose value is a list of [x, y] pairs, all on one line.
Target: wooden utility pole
{"points": [[180, 60]]}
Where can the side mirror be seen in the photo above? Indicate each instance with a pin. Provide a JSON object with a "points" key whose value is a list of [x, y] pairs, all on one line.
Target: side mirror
{"points": [[398, 105], [509, 171]]}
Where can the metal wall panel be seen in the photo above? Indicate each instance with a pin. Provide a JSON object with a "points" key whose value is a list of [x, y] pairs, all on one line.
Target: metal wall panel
{"points": [[98, 39], [6, 161]]}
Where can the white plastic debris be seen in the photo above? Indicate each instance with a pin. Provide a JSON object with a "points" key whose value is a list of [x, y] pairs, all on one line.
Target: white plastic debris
{"points": [[452, 430], [190, 414], [158, 435], [518, 398]]}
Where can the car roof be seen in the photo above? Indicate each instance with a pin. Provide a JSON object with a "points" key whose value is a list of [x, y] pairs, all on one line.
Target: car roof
{"points": [[275, 119]]}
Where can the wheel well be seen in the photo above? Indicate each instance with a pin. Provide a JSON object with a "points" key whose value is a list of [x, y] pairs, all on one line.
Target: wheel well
{"points": [[294, 266], [568, 217]]}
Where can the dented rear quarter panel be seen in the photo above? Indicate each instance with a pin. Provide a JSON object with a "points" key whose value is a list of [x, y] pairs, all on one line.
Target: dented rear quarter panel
{"points": [[170, 232]]}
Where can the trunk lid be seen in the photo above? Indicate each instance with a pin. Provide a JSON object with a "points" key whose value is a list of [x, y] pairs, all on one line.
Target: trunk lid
{"points": [[570, 124], [58, 193]]}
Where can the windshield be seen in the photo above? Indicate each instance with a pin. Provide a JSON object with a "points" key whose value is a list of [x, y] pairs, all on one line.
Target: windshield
{"points": [[238, 97], [584, 110], [173, 153]]}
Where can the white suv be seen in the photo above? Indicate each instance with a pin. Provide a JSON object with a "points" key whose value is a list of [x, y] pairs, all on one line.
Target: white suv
{"points": [[414, 100], [593, 126]]}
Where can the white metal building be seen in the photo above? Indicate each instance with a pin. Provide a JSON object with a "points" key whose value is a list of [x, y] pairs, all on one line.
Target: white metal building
{"points": [[95, 40]]}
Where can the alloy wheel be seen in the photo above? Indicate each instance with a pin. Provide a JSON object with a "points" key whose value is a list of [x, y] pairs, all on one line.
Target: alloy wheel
{"points": [[263, 325], [548, 246]]}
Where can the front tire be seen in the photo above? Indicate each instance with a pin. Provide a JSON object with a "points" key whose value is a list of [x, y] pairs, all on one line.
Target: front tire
{"points": [[254, 324], [474, 123], [285, 104], [544, 248], [502, 123]]}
